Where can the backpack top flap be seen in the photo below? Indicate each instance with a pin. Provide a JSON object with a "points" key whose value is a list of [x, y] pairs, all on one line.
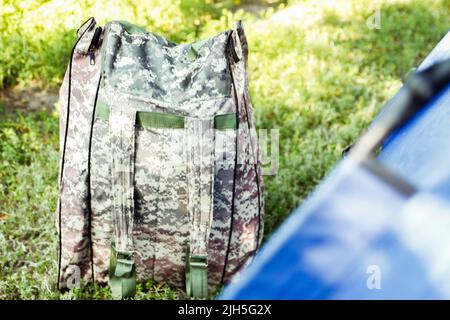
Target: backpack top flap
{"points": [[144, 64]]}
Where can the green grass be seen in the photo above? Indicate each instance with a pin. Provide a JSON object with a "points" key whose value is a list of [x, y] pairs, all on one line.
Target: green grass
{"points": [[319, 79]]}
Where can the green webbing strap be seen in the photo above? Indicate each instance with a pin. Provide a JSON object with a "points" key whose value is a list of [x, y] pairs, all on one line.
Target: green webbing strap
{"points": [[192, 54], [167, 120], [131, 28], [160, 120], [193, 51], [102, 111], [122, 274], [197, 277], [145, 119], [225, 121]]}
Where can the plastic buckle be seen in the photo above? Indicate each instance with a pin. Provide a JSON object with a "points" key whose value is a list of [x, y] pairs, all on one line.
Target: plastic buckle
{"points": [[197, 276], [200, 262]]}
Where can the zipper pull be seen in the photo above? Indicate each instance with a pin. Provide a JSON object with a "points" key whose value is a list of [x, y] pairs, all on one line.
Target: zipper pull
{"points": [[92, 57], [93, 45]]}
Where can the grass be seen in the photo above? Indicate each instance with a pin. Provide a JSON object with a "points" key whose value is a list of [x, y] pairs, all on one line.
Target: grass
{"points": [[319, 79]]}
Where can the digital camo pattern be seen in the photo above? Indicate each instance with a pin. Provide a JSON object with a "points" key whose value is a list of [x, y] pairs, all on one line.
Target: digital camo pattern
{"points": [[161, 230], [102, 223], [179, 197], [225, 151], [162, 226], [145, 64], [248, 109], [161, 166], [73, 208], [247, 219], [122, 141], [200, 164]]}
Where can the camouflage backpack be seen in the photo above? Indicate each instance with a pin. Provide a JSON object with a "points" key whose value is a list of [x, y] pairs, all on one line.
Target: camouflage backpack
{"points": [[160, 173]]}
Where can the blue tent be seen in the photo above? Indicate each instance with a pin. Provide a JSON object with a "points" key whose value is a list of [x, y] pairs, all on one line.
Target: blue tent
{"points": [[376, 228]]}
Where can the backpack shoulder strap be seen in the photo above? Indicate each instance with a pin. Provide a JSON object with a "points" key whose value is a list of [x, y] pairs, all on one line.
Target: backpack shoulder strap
{"points": [[200, 152]]}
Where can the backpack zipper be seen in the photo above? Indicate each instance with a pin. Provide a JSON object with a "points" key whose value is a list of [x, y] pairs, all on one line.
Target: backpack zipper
{"points": [[94, 43]]}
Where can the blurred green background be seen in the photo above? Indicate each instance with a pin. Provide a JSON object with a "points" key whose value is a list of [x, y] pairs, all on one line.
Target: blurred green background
{"points": [[318, 73]]}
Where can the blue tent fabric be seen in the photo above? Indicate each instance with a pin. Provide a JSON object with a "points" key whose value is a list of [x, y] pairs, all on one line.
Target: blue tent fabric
{"points": [[328, 248], [418, 151], [358, 236]]}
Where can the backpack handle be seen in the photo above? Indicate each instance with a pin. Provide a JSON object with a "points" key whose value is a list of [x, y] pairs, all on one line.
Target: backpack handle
{"points": [[85, 26]]}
